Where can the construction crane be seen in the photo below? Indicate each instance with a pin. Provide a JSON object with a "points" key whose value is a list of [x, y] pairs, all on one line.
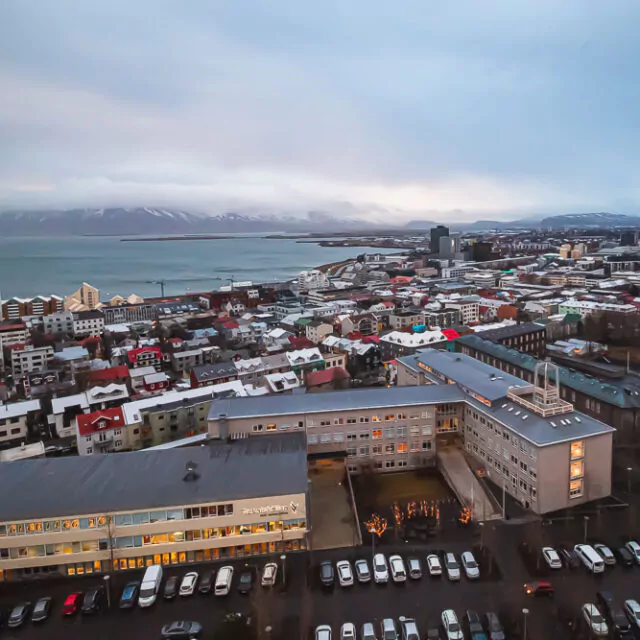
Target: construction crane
{"points": [[160, 282]]}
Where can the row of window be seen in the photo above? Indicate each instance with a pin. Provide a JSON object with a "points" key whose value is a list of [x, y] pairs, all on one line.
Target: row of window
{"points": [[387, 464], [387, 449]]}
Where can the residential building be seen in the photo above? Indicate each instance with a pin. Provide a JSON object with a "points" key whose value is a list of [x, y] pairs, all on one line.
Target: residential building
{"points": [[399, 319], [138, 375], [215, 373], [170, 507], [105, 431], [313, 279], [59, 322], [397, 343], [527, 337], [19, 422], [184, 361], [16, 308], [469, 310], [128, 313], [28, 359], [305, 360], [443, 318], [11, 333], [588, 307], [145, 357], [85, 298], [156, 382], [281, 382], [88, 324], [317, 330], [366, 324]]}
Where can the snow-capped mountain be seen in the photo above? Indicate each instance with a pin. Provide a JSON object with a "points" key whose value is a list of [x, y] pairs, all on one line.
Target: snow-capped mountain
{"points": [[154, 221]]}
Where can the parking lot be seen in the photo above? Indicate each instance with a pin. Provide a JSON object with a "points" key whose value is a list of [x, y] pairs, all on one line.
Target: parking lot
{"points": [[294, 610]]}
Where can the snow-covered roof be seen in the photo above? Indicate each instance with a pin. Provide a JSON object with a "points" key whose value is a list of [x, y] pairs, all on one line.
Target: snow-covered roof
{"points": [[413, 339], [18, 409]]}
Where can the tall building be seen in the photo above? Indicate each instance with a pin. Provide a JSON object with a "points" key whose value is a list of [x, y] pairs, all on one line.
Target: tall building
{"points": [[16, 308], [436, 233], [84, 299], [629, 238], [449, 246]]}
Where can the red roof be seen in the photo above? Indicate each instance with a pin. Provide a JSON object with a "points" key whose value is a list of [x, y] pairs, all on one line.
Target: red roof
{"points": [[401, 279], [450, 334], [299, 342], [89, 423], [371, 339], [13, 327], [111, 373], [175, 340], [231, 324], [134, 353], [16, 347], [324, 376]]}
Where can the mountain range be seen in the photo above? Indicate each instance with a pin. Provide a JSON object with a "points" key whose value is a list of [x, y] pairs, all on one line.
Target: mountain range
{"points": [[154, 221]]}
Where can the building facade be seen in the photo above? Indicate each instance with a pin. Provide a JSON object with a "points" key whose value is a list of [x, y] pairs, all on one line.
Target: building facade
{"points": [[28, 359]]}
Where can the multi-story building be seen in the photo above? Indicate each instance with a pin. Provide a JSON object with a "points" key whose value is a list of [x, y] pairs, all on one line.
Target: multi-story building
{"points": [[18, 422], [397, 343], [28, 359], [185, 361], [59, 322], [435, 234], [399, 320], [105, 431], [317, 330], [84, 299], [527, 337], [442, 319], [11, 333], [167, 507], [88, 324], [469, 310], [216, 373], [16, 308], [123, 314], [145, 357], [587, 307]]}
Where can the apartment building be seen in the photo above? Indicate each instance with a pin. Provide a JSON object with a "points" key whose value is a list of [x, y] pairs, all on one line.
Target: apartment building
{"points": [[123, 314], [145, 357], [88, 324], [16, 308], [59, 322], [397, 343], [469, 310], [169, 507], [185, 361], [588, 307], [527, 337], [28, 359], [399, 320], [317, 330], [18, 422], [105, 431]]}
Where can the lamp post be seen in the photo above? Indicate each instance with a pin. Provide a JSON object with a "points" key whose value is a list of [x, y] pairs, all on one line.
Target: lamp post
{"points": [[283, 557], [629, 470], [107, 588], [481, 525], [586, 525], [525, 613]]}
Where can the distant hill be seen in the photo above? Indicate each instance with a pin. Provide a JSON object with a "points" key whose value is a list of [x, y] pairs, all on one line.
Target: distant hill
{"points": [[583, 220], [155, 221]]}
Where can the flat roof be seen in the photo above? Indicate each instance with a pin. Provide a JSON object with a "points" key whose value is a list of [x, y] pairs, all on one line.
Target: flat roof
{"points": [[141, 480], [375, 398]]}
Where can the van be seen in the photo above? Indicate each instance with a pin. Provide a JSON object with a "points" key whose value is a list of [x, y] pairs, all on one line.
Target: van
{"points": [[223, 581], [150, 585], [590, 558]]}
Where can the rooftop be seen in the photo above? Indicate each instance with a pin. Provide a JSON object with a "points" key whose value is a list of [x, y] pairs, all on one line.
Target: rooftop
{"points": [[144, 480]]}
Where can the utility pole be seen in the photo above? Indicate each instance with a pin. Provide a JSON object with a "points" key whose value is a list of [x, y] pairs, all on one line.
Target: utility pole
{"points": [[159, 282]]}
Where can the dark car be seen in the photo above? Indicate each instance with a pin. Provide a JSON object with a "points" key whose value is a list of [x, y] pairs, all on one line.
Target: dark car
{"points": [[476, 632], [181, 630], [18, 615], [129, 595], [41, 610], [245, 583], [433, 634], [171, 588], [92, 600], [614, 614], [494, 626], [569, 557], [540, 588], [625, 557], [327, 575], [206, 582]]}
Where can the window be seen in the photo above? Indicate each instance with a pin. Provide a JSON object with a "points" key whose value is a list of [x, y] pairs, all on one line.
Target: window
{"points": [[351, 436], [351, 452], [402, 447], [325, 437], [312, 439], [402, 432], [414, 431], [388, 418], [364, 419], [389, 448], [376, 434], [271, 427], [338, 437], [390, 432], [575, 488], [402, 463], [89, 450], [577, 449], [577, 469], [256, 428], [351, 421], [364, 435], [389, 464], [376, 450], [375, 419], [427, 430], [426, 446], [325, 423], [338, 421], [363, 452]]}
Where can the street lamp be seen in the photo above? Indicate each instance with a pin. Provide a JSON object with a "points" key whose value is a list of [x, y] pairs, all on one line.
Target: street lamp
{"points": [[586, 524], [629, 470], [525, 613], [107, 585], [283, 557], [481, 525]]}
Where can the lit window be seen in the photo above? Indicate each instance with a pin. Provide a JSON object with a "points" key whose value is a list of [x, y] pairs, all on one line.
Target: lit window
{"points": [[375, 419], [389, 418], [575, 488], [577, 449], [271, 427], [376, 434], [402, 447], [577, 469]]}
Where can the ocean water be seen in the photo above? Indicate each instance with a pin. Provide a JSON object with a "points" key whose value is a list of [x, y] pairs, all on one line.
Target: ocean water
{"points": [[33, 266]]}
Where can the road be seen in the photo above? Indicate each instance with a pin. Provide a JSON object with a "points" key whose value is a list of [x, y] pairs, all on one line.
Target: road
{"points": [[294, 611]]}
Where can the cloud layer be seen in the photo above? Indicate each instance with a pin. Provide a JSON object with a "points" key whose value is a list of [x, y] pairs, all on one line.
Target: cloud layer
{"points": [[495, 108]]}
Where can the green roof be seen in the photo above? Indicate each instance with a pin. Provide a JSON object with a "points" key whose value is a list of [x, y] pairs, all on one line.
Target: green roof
{"points": [[571, 317], [304, 321]]}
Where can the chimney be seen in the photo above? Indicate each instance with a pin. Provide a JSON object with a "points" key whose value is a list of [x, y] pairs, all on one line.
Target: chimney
{"points": [[223, 426]]}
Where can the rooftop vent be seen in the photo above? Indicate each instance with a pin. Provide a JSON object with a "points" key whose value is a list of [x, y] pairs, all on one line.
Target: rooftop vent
{"points": [[510, 409], [190, 472], [525, 416], [577, 419], [553, 424]]}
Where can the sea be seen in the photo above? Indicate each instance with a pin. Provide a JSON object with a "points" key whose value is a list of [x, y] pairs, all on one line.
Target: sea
{"points": [[32, 266]]}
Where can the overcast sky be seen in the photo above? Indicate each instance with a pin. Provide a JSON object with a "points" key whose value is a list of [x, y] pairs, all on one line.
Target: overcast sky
{"points": [[495, 108]]}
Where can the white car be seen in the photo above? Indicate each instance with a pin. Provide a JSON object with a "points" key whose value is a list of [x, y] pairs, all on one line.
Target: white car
{"points": [[398, 571], [634, 548], [409, 628], [605, 553], [269, 574], [345, 574], [632, 609], [452, 566], [348, 631], [380, 569], [451, 626], [434, 565], [388, 630], [551, 557], [368, 632], [594, 620], [471, 568], [323, 632], [188, 584], [362, 570]]}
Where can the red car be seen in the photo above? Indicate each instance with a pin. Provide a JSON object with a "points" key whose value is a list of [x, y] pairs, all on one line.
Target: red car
{"points": [[540, 588], [72, 603]]}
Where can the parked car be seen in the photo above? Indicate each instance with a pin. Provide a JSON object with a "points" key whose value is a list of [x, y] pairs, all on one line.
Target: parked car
{"points": [[368, 632], [398, 571], [327, 575], [41, 610], [433, 634], [494, 626], [551, 557], [323, 632], [451, 626], [18, 615], [188, 584], [380, 569], [363, 572], [269, 574], [452, 566], [540, 588], [632, 610], [129, 595], [625, 557], [348, 631], [408, 629], [594, 620], [171, 588], [245, 582], [569, 557], [345, 574], [470, 565], [605, 553], [206, 582], [434, 565], [634, 549], [181, 630], [613, 613], [92, 600], [476, 632], [415, 569], [72, 603], [388, 629]]}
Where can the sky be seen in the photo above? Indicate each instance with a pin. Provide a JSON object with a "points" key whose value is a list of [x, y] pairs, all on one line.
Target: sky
{"points": [[378, 110]]}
